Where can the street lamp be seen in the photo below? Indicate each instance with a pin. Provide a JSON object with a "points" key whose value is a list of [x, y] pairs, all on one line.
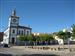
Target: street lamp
{"points": [[68, 35], [64, 30]]}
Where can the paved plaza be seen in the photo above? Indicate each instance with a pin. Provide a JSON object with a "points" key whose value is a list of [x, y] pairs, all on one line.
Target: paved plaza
{"points": [[22, 50]]}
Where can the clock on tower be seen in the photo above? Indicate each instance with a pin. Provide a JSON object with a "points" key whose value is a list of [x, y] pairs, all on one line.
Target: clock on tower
{"points": [[14, 20]]}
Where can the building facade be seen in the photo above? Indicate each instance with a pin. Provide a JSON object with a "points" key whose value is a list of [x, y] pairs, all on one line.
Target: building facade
{"points": [[14, 29]]}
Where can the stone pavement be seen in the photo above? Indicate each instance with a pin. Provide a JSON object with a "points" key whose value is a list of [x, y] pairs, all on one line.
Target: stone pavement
{"points": [[21, 50]]}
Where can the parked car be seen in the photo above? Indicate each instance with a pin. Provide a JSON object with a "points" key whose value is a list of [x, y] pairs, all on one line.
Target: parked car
{"points": [[5, 45]]}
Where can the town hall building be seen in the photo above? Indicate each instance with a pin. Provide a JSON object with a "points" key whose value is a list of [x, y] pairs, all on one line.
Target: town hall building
{"points": [[14, 29]]}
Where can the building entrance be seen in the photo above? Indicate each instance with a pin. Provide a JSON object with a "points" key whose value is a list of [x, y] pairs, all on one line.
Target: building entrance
{"points": [[13, 40]]}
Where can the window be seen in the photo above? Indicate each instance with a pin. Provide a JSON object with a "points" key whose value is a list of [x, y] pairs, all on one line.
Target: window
{"points": [[22, 33], [27, 32], [19, 32], [13, 31]]}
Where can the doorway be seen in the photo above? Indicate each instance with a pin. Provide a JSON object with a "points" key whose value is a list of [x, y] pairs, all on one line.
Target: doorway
{"points": [[13, 40]]}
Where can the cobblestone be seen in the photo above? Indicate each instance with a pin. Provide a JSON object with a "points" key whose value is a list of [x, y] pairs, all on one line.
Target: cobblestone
{"points": [[21, 50]]}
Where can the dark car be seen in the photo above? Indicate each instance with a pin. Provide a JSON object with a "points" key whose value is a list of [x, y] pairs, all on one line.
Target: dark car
{"points": [[5, 45]]}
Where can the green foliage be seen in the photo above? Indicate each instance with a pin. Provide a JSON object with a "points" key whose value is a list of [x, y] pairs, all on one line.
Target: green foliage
{"points": [[64, 35], [34, 38], [51, 37], [73, 31], [38, 38], [46, 37], [30, 38], [22, 38], [55, 33], [41, 37], [61, 34]]}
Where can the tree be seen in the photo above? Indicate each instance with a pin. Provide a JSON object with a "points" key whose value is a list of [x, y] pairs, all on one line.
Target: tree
{"points": [[45, 37], [73, 31], [50, 37], [30, 38], [64, 35], [34, 40], [61, 35], [21, 38], [41, 38], [55, 33]]}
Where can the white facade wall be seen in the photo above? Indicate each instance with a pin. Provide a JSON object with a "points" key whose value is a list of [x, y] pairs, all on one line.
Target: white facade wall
{"points": [[28, 31], [21, 29], [24, 31], [60, 41], [13, 35], [6, 36]]}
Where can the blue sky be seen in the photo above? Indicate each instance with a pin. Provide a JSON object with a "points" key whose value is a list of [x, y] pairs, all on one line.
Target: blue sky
{"points": [[42, 15]]}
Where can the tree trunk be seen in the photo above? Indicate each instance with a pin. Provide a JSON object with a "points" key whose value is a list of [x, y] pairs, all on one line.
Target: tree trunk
{"points": [[34, 43]]}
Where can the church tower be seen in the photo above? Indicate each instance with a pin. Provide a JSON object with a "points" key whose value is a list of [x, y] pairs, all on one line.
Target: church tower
{"points": [[14, 29], [13, 19]]}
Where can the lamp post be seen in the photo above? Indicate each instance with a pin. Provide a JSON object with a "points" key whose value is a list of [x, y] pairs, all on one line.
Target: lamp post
{"points": [[64, 31], [17, 39], [68, 35]]}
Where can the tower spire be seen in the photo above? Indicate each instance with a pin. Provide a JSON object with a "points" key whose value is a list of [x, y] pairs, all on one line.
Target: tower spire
{"points": [[14, 12]]}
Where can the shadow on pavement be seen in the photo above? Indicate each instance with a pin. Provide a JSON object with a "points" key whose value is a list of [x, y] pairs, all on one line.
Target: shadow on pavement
{"points": [[41, 55], [29, 55]]}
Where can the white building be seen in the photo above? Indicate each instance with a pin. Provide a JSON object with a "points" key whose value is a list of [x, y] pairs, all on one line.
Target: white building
{"points": [[14, 29], [60, 41]]}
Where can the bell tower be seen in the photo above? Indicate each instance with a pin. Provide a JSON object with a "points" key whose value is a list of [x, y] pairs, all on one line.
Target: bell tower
{"points": [[13, 19]]}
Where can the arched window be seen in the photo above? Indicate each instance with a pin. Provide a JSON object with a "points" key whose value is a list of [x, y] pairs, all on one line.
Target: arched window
{"points": [[13, 31], [22, 33], [27, 32], [19, 32]]}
